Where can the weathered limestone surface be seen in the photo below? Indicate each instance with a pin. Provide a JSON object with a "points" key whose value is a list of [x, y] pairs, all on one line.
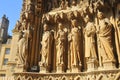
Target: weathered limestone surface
{"points": [[68, 40], [96, 75]]}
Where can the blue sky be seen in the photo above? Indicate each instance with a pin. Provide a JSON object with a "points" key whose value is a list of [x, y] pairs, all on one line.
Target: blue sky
{"points": [[12, 9]]}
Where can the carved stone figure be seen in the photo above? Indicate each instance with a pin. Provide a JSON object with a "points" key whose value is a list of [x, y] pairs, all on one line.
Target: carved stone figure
{"points": [[71, 16], [105, 38], [17, 26], [23, 49], [57, 18], [46, 47], [90, 30], [62, 5], [74, 3], [29, 12], [74, 39], [24, 24], [55, 3], [61, 41]]}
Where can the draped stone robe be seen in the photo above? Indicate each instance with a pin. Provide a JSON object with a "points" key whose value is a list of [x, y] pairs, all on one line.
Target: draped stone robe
{"points": [[90, 31], [75, 47], [46, 48], [105, 40], [61, 39]]}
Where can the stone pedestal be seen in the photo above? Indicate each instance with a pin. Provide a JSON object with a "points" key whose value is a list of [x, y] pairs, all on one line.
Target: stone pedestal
{"points": [[69, 71], [20, 68], [43, 69], [76, 69], [109, 65], [60, 69], [92, 65]]}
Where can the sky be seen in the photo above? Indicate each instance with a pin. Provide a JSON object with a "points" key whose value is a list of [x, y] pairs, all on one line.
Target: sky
{"points": [[12, 9]]}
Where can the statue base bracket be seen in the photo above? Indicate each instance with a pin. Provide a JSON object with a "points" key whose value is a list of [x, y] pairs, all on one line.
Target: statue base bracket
{"points": [[92, 65], [60, 69], [76, 69], [109, 65]]}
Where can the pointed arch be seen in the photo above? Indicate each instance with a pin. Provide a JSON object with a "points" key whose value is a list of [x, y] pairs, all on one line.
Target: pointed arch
{"points": [[29, 78], [51, 78], [19, 78], [77, 78], [64, 78]]}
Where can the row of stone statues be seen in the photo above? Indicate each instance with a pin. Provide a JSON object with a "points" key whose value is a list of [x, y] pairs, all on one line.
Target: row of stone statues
{"points": [[70, 45], [103, 54]]}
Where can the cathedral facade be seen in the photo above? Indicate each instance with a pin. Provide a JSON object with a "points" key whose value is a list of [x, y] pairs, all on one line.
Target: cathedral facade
{"points": [[67, 40]]}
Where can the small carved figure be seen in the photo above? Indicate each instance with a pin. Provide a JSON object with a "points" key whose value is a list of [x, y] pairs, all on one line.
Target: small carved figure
{"points": [[62, 5], [24, 24], [61, 40], [46, 46], [71, 16], [55, 3], [23, 47], [57, 18], [105, 38], [74, 3], [90, 31], [17, 26], [74, 39], [66, 4]]}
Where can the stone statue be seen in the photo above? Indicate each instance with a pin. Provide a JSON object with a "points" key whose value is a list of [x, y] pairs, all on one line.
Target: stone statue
{"points": [[23, 48], [24, 24], [105, 38], [57, 18], [17, 26], [46, 46], [90, 31], [61, 40], [74, 39], [55, 3], [74, 3], [71, 15], [62, 5]]}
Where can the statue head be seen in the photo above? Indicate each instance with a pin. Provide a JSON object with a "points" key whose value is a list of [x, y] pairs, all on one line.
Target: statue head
{"points": [[74, 3], [74, 23], [45, 27], [57, 17], [87, 19], [71, 15], [100, 15], [60, 26]]}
